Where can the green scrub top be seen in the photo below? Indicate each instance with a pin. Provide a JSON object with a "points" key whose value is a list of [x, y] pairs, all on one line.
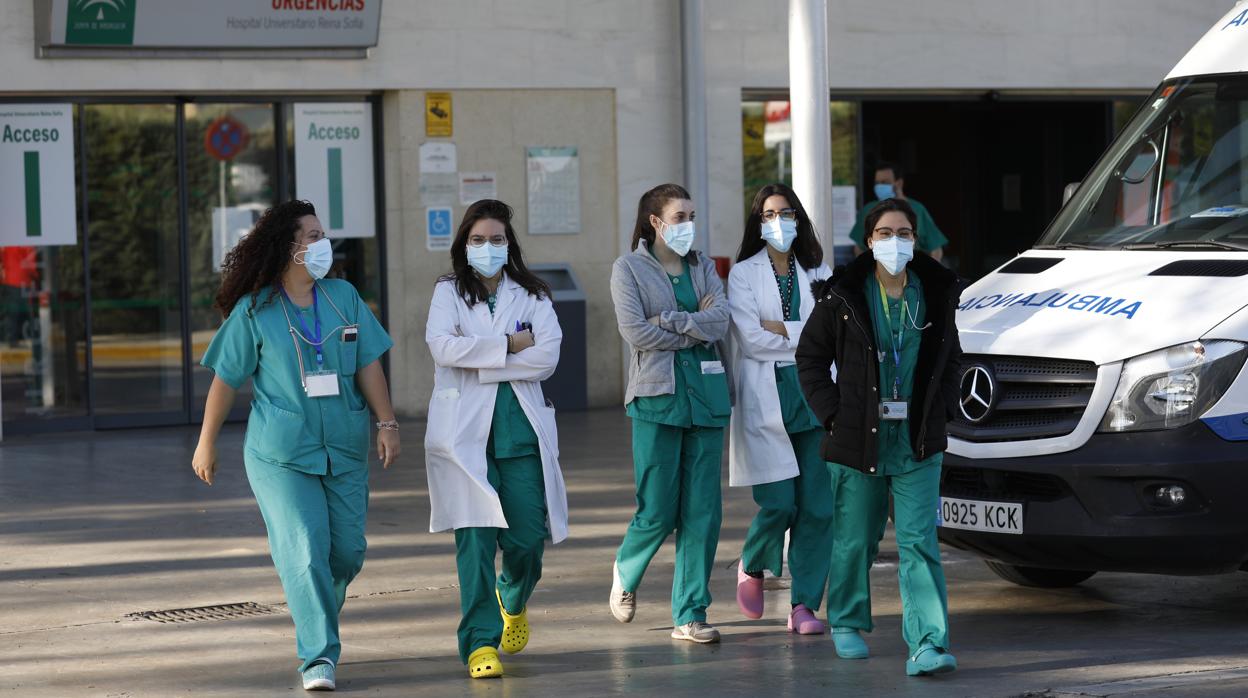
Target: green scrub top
{"points": [[793, 407], [930, 237], [701, 399], [511, 434], [286, 427], [894, 328]]}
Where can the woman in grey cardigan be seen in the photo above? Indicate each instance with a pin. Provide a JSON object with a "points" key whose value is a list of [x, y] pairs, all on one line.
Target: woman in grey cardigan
{"points": [[671, 309]]}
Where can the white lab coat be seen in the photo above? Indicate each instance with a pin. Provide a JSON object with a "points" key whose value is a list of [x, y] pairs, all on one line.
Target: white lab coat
{"points": [[759, 450], [469, 348]]}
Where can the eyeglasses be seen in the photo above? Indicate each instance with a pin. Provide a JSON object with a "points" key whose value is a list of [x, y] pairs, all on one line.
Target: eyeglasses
{"points": [[496, 241], [889, 233], [785, 214]]}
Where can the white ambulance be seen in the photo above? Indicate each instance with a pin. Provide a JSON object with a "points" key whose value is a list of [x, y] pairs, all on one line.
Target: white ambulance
{"points": [[1103, 417]]}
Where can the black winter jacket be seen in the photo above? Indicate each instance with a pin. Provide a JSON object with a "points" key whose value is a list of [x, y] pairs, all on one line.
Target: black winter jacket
{"points": [[840, 330]]}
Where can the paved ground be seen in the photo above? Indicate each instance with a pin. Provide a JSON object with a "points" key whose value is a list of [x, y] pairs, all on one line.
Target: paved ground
{"points": [[97, 526]]}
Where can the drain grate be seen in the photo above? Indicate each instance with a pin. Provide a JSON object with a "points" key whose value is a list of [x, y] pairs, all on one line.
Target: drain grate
{"points": [[229, 611]]}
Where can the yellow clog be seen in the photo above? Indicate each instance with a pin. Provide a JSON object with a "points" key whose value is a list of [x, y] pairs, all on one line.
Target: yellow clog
{"points": [[483, 663], [515, 628]]}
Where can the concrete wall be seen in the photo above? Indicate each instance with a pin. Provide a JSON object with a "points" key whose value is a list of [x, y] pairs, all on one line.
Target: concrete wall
{"points": [[492, 128]]}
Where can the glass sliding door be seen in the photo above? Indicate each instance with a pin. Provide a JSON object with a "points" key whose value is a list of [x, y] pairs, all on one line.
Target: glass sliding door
{"points": [[135, 264], [225, 197], [109, 332]]}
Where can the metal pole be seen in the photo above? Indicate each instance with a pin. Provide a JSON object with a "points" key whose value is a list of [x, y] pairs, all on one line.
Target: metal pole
{"points": [[810, 100], [693, 83]]}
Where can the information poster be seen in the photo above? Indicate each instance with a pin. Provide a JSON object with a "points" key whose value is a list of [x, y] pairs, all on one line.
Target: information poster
{"points": [[474, 186], [334, 165], [844, 213], [38, 205], [554, 186], [439, 181]]}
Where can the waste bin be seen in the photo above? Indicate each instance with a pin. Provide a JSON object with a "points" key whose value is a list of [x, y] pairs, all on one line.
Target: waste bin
{"points": [[567, 389]]}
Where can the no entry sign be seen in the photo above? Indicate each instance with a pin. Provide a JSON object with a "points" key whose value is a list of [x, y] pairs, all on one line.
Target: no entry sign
{"points": [[225, 138]]}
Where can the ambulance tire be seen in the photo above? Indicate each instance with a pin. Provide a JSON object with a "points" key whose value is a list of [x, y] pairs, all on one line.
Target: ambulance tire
{"points": [[1038, 577]]}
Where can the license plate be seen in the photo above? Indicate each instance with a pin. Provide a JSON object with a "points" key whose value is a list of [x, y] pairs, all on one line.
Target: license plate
{"points": [[974, 515]]}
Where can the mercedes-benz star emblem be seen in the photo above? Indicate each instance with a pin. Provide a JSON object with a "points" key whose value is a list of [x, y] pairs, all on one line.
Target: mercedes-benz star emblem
{"points": [[978, 393]]}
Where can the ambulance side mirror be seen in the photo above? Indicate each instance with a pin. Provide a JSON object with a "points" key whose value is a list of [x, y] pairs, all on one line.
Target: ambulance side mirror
{"points": [[1069, 191]]}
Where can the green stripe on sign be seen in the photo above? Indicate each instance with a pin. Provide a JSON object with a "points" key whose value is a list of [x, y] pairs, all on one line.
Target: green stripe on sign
{"points": [[34, 213], [335, 188]]}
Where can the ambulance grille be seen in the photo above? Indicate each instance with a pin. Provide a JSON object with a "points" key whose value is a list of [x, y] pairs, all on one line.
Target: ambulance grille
{"points": [[1001, 485], [1037, 398]]}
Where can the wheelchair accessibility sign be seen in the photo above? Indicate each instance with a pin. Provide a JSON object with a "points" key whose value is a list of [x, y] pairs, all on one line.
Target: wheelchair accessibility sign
{"points": [[438, 228]]}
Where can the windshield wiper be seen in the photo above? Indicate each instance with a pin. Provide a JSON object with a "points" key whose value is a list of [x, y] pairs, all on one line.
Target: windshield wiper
{"points": [[1175, 244], [1071, 246]]}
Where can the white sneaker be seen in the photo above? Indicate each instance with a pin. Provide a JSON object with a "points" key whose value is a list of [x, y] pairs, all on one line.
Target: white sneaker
{"points": [[698, 631], [623, 603]]}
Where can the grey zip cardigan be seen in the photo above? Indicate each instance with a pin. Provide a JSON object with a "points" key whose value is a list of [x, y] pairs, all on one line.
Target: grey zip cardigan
{"points": [[640, 290]]}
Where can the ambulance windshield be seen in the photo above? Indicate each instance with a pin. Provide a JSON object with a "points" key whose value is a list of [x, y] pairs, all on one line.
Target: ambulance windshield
{"points": [[1177, 176]]}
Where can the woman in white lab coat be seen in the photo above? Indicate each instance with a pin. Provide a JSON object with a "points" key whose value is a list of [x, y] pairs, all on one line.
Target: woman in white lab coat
{"points": [[774, 438], [491, 448]]}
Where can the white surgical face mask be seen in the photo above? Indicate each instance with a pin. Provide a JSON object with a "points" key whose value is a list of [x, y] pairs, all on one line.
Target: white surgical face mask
{"points": [[679, 237], [780, 233], [317, 258], [487, 259], [893, 253]]}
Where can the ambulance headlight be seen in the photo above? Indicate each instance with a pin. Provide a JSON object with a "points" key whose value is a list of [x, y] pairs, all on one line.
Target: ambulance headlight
{"points": [[1172, 387]]}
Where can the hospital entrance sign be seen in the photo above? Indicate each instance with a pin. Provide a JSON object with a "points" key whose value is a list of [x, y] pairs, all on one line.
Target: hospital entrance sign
{"points": [[37, 199], [334, 165]]}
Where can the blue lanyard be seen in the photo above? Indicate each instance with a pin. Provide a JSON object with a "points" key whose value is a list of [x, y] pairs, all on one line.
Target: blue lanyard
{"points": [[315, 338], [895, 344]]}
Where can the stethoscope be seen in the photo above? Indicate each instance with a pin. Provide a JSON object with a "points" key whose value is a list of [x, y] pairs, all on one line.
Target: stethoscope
{"points": [[908, 315], [316, 344]]}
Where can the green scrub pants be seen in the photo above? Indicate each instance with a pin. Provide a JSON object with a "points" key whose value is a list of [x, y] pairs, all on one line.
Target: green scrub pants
{"points": [[316, 537], [677, 471], [861, 514], [804, 506], [522, 492]]}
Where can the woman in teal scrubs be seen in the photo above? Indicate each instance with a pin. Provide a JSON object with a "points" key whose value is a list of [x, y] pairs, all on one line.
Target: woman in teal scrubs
{"points": [[887, 323], [671, 309], [311, 348]]}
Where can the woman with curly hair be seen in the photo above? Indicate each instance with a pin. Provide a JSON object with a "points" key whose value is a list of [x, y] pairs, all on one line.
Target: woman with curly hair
{"points": [[312, 348]]}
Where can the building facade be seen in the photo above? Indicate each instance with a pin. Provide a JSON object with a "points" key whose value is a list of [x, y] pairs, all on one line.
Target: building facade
{"points": [[990, 105]]}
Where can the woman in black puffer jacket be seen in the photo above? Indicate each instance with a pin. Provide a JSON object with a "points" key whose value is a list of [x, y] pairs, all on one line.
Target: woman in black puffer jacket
{"points": [[886, 321]]}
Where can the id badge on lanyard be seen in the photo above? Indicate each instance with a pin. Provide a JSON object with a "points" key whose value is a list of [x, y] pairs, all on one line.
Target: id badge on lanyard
{"points": [[320, 382], [895, 409]]}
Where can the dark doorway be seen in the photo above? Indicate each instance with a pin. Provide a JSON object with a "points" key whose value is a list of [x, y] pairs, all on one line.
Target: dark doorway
{"points": [[990, 171]]}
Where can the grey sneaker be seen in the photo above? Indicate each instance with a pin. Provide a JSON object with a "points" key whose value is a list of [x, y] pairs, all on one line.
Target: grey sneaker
{"points": [[319, 677], [698, 631], [623, 603]]}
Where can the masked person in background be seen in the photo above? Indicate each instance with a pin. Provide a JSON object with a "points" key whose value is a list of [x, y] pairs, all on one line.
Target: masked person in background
{"points": [[774, 437], [311, 348], [886, 321], [671, 309], [491, 446], [890, 184]]}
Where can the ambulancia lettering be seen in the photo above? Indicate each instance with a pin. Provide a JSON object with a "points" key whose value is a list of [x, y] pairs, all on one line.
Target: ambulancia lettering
{"points": [[1070, 300]]}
